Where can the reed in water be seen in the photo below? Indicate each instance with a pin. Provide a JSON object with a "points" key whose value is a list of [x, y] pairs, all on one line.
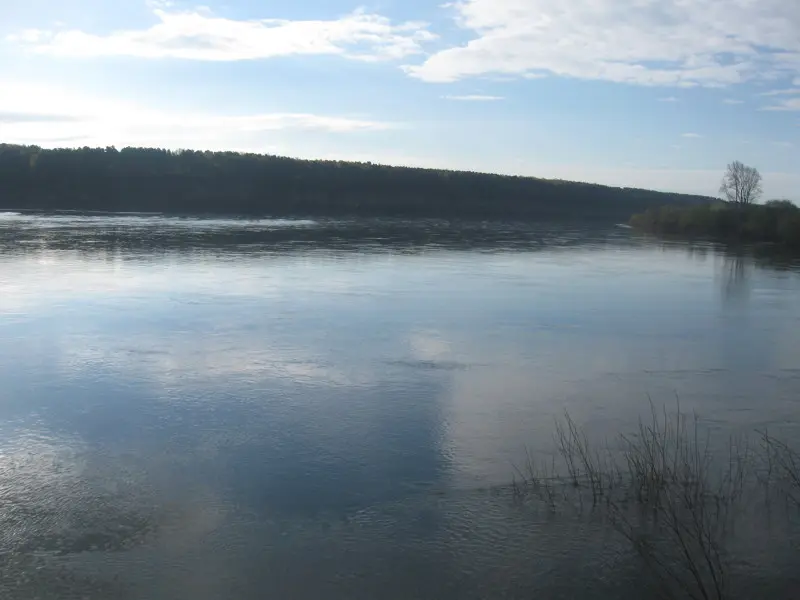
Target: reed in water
{"points": [[662, 489]]}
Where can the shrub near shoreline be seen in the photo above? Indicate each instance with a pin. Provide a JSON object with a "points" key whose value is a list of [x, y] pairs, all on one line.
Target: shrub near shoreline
{"points": [[776, 222]]}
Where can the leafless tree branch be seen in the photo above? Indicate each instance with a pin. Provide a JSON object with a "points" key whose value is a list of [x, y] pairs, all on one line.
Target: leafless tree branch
{"points": [[741, 184]]}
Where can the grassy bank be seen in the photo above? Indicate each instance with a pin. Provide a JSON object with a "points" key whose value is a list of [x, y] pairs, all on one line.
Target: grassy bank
{"points": [[669, 497], [776, 222]]}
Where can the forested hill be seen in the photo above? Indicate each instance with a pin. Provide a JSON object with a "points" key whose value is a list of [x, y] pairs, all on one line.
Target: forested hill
{"points": [[141, 179]]}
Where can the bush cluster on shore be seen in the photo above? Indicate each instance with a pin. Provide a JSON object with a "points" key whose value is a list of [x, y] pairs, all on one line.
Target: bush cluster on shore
{"points": [[775, 222]]}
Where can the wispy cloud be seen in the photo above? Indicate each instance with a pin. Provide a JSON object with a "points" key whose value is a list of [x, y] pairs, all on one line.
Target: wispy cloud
{"points": [[669, 43], [43, 115], [200, 35], [668, 99], [691, 135], [474, 98], [785, 104], [732, 101], [18, 116], [786, 92]]}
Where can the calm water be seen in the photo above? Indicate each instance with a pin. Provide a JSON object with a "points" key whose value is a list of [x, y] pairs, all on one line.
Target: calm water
{"points": [[215, 409]]}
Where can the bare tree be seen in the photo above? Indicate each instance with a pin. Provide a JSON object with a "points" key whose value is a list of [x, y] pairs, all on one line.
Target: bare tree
{"points": [[741, 184]]}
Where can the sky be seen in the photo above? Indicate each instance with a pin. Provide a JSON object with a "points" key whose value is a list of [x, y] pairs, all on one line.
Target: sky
{"points": [[660, 94]]}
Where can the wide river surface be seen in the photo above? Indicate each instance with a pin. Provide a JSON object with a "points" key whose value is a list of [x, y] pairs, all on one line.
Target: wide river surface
{"points": [[221, 408]]}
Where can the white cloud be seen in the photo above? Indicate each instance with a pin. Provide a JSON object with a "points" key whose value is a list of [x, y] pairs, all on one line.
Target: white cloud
{"points": [[691, 135], [732, 101], [668, 99], [200, 35], [787, 92], [28, 36], [48, 116], [474, 98], [786, 104], [668, 43]]}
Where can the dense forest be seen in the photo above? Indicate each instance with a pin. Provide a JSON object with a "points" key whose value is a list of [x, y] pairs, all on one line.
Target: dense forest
{"points": [[775, 222], [190, 182]]}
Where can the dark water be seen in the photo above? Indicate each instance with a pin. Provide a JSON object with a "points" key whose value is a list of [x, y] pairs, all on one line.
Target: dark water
{"points": [[217, 408]]}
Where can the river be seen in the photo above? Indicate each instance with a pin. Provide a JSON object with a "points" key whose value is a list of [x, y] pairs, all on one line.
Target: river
{"points": [[226, 408]]}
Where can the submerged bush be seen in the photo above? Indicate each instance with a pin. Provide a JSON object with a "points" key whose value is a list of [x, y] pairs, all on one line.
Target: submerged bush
{"points": [[670, 498]]}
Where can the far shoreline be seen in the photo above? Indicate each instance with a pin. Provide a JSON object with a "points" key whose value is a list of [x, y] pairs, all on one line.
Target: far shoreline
{"points": [[153, 180]]}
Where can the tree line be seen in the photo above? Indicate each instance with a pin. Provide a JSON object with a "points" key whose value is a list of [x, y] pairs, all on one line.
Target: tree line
{"points": [[197, 182]]}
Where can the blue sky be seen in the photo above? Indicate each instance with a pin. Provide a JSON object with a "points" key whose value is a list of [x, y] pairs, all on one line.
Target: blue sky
{"points": [[651, 93]]}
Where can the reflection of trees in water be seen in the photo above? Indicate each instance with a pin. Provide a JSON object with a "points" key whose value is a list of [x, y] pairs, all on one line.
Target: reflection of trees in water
{"points": [[735, 277], [738, 265], [697, 252]]}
